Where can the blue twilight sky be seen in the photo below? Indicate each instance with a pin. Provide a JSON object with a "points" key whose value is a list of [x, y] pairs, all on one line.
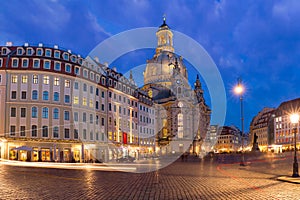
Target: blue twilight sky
{"points": [[258, 41]]}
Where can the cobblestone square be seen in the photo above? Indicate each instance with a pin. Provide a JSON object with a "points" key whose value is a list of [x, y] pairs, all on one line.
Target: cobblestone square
{"points": [[219, 177]]}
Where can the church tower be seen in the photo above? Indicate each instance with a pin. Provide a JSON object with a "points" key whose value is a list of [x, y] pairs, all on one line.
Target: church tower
{"points": [[159, 69], [198, 90], [164, 38]]}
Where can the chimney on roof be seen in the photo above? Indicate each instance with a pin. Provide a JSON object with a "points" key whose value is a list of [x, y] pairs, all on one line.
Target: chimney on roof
{"points": [[69, 51], [9, 44], [40, 45], [26, 44], [115, 69], [55, 46]]}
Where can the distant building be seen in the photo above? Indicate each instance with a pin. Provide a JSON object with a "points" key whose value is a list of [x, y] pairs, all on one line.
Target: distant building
{"points": [[211, 139], [283, 129], [229, 139], [260, 127]]}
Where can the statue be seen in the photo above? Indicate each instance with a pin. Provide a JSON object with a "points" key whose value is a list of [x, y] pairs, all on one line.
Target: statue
{"points": [[255, 144]]}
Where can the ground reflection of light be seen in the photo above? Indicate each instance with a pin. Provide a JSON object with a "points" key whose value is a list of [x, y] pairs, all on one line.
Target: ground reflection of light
{"points": [[84, 166]]}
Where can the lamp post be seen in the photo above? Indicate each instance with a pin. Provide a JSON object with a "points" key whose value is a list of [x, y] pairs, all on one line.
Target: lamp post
{"points": [[239, 90], [294, 120]]}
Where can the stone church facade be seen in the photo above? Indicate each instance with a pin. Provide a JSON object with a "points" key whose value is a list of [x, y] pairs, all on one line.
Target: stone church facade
{"points": [[182, 116]]}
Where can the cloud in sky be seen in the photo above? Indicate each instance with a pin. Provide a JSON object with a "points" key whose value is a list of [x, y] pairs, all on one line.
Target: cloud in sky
{"points": [[258, 41]]}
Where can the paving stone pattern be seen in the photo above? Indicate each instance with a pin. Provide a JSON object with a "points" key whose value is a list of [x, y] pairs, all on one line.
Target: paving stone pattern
{"points": [[219, 177]]}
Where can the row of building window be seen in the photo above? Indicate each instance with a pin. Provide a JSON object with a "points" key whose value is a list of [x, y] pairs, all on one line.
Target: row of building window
{"points": [[56, 111], [55, 133], [45, 52]]}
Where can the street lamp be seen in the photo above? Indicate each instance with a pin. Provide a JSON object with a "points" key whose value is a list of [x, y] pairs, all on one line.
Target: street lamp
{"points": [[239, 90], [294, 120]]}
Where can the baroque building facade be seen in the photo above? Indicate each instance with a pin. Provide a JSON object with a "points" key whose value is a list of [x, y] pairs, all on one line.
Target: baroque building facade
{"points": [[182, 116], [259, 126], [58, 106]]}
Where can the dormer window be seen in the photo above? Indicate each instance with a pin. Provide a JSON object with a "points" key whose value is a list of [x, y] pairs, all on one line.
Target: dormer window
{"points": [[4, 51], [57, 54], [19, 51], [80, 61], [48, 53], [29, 51], [66, 56], [73, 58], [39, 52]]}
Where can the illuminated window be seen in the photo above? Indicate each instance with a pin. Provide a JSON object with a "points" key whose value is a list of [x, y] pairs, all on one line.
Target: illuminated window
{"points": [[24, 79], [180, 125], [35, 79], [84, 102], [56, 81], [91, 103], [76, 100], [67, 83], [46, 80], [14, 78]]}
